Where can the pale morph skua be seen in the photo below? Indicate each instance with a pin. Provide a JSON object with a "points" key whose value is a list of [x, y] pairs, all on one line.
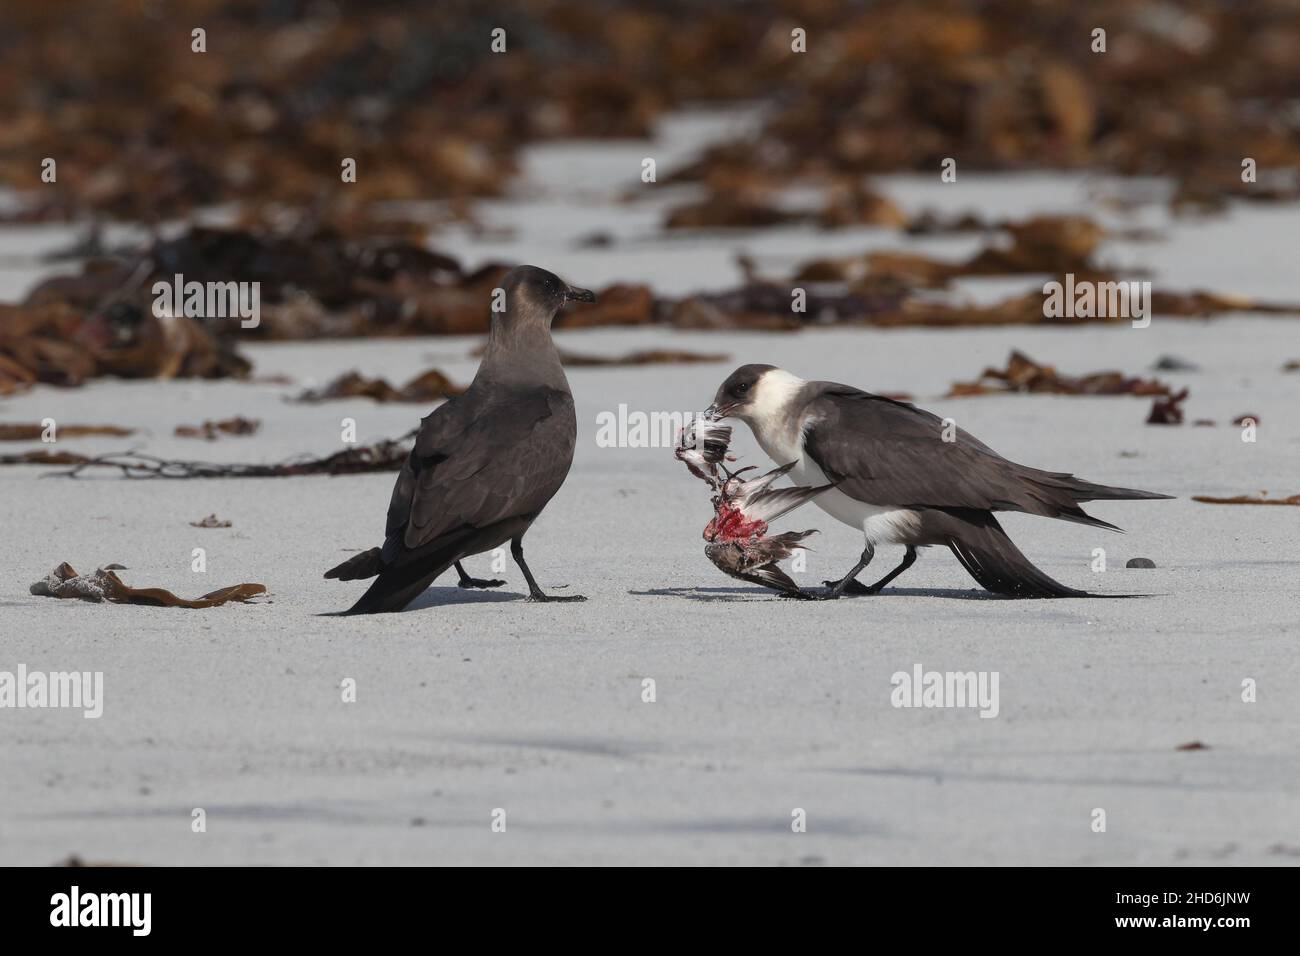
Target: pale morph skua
{"points": [[485, 463], [899, 481]]}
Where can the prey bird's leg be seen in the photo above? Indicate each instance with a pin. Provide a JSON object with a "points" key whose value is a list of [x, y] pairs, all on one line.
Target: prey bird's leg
{"points": [[534, 592], [838, 588], [908, 560], [737, 473], [467, 582]]}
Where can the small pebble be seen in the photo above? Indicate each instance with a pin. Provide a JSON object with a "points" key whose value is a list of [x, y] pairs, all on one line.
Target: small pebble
{"points": [[1139, 563]]}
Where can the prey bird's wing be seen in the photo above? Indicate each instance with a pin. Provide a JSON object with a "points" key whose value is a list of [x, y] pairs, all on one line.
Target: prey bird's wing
{"points": [[742, 563], [480, 459], [886, 452], [778, 547], [769, 575], [770, 504], [755, 485]]}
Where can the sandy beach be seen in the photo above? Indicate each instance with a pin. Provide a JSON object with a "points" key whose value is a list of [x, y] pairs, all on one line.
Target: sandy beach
{"points": [[474, 701]]}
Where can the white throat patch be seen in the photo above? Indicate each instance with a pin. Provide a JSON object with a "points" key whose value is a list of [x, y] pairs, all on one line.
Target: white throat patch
{"points": [[768, 411], [780, 431], [775, 419]]}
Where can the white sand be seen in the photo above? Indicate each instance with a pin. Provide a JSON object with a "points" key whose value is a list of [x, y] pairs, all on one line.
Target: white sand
{"points": [[477, 701]]}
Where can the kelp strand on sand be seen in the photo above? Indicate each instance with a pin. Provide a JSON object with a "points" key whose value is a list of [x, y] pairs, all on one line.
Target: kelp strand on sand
{"points": [[104, 585], [1247, 500], [386, 455]]}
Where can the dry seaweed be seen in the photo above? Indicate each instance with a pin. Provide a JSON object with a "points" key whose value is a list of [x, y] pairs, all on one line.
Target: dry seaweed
{"points": [[1168, 410], [44, 456], [386, 455], [1004, 85], [1247, 500], [212, 430], [211, 521], [34, 432], [723, 210], [767, 306], [67, 332], [1023, 374], [619, 304], [933, 222], [1020, 310], [318, 283], [643, 357], [77, 861], [105, 585], [730, 205], [1054, 245], [887, 86], [429, 386], [14, 377]]}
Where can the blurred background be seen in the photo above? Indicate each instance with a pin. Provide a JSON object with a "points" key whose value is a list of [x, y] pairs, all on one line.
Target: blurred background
{"points": [[798, 142]]}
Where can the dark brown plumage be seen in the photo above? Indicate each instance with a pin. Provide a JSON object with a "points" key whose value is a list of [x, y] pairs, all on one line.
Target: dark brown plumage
{"points": [[880, 450], [485, 463]]}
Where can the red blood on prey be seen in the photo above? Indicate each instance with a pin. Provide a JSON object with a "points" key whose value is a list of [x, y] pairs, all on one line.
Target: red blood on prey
{"points": [[730, 524]]}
